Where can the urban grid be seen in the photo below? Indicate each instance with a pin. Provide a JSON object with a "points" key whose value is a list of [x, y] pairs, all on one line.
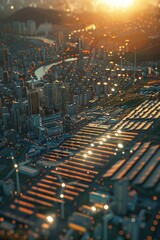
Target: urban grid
{"points": [[80, 120]]}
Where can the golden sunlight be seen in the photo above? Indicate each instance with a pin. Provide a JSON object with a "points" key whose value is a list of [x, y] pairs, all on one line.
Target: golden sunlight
{"points": [[119, 3]]}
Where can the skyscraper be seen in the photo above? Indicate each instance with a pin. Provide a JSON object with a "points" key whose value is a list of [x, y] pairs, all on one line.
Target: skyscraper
{"points": [[6, 121], [6, 77], [121, 196], [57, 95], [48, 97], [31, 27], [61, 40], [15, 114], [33, 101]]}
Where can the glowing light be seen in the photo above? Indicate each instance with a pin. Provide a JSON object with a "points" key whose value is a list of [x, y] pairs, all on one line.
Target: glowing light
{"points": [[106, 207], [93, 208], [101, 143], [92, 144], [63, 184], [12, 7], [119, 3], [119, 131], [62, 196], [104, 139], [120, 145], [16, 165], [89, 152], [50, 219], [85, 155], [133, 220]]}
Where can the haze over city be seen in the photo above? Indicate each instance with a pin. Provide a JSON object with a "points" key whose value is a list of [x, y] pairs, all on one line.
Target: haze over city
{"points": [[79, 120], [9, 6]]}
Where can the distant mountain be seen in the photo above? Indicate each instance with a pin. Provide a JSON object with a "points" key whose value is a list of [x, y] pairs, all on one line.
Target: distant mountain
{"points": [[37, 14], [40, 15]]}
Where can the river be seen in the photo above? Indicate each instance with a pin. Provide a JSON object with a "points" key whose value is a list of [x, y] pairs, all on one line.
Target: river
{"points": [[41, 71]]}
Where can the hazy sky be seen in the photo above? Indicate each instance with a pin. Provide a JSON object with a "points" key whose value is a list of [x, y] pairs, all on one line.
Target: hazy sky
{"points": [[8, 6]]}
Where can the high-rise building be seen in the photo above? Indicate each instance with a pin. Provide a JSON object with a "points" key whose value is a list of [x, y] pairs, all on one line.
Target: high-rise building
{"points": [[61, 39], [65, 97], [24, 108], [36, 120], [19, 27], [6, 77], [15, 114], [33, 101], [67, 123], [48, 97], [76, 100], [121, 196], [18, 90], [80, 62], [6, 120], [8, 187], [57, 95], [31, 27], [11, 136], [71, 109], [105, 87], [131, 226], [5, 57]]}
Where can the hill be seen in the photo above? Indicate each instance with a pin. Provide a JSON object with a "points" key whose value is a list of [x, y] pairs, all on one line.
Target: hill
{"points": [[40, 15], [37, 14]]}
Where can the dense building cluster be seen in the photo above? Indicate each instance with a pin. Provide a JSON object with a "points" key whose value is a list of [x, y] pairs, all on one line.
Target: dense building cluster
{"points": [[79, 132]]}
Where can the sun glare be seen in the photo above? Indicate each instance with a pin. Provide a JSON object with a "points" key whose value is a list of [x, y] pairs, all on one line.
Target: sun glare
{"points": [[119, 3]]}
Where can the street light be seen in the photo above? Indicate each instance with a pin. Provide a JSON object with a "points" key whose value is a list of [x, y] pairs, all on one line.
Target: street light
{"points": [[90, 152], [121, 63], [62, 206], [106, 207], [93, 208], [61, 195], [50, 219], [17, 178], [120, 145]]}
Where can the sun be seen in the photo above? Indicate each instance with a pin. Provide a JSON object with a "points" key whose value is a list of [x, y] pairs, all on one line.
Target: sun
{"points": [[119, 3]]}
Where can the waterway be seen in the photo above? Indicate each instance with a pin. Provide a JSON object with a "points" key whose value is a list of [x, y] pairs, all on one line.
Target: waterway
{"points": [[41, 71]]}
